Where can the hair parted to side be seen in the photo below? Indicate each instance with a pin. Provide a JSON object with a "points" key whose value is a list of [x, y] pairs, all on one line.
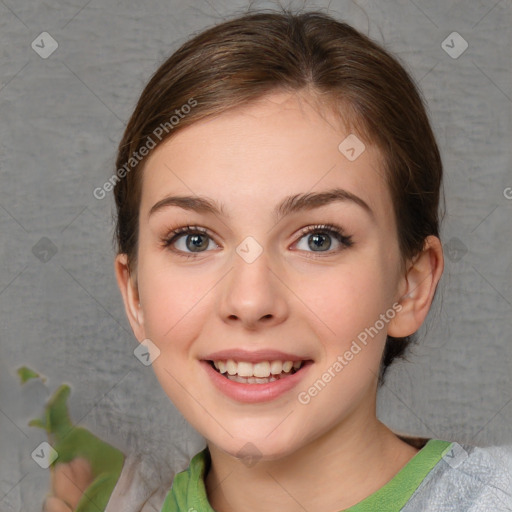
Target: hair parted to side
{"points": [[245, 58]]}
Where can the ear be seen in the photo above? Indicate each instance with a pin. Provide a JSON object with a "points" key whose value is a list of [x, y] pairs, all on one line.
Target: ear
{"points": [[128, 286], [417, 288]]}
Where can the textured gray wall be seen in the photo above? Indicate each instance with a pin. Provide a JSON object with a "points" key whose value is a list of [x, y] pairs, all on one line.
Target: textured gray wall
{"points": [[61, 313]]}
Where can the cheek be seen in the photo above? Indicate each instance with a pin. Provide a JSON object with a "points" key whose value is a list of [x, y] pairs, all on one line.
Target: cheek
{"points": [[348, 303], [346, 298], [172, 301]]}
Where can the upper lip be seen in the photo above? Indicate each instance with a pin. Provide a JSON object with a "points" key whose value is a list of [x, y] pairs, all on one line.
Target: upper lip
{"points": [[256, 356]]}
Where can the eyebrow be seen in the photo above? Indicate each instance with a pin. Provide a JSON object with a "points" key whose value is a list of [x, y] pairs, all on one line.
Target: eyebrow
{"points": [[291, 204]]}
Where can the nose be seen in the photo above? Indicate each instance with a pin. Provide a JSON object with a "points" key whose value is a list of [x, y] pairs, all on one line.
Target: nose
{"points": [[253, 294]]}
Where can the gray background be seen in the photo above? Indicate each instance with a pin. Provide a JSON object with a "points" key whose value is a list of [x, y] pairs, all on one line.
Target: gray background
{"points": [[61, 312]]}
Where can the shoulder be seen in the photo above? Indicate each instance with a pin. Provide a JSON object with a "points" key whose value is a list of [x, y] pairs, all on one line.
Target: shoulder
{"points": [[467, 478]]}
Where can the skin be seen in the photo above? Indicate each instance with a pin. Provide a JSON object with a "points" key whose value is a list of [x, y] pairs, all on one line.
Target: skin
{"points": [[69, 481], [249, 159]]}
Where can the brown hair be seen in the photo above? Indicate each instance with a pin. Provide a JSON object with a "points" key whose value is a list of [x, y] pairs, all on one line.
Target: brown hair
{"points": [[245, 58]]}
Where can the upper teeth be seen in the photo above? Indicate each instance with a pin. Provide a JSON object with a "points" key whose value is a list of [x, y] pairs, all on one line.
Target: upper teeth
{"points": [[261, 369]]}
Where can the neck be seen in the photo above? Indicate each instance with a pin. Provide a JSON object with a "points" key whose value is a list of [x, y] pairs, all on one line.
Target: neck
{"points": [[335, 471]]}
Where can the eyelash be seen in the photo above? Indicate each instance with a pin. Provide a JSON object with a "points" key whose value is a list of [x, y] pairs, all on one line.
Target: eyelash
{"points": [[174, 235]]}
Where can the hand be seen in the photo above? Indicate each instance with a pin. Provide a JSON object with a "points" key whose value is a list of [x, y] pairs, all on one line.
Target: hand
{"points": [[86, 469], [69, 481]]}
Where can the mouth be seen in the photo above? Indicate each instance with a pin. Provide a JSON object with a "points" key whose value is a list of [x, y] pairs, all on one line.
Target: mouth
{"points": [[255, 377], [262, 372]]}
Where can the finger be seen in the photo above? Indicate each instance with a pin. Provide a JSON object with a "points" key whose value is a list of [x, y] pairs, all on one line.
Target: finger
{"points": [[70, 480], [82, 472], [53, 504]]}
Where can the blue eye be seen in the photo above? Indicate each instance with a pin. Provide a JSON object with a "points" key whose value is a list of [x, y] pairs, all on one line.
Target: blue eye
{"points": [[317, 238], [197, 240]]}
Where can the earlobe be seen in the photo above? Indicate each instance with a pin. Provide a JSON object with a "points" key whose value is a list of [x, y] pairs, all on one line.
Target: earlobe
{"points": [[418, 287], [129, 291]]}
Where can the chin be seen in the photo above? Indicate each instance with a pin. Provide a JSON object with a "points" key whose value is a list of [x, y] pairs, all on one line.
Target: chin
{"points": [[250, 449]]}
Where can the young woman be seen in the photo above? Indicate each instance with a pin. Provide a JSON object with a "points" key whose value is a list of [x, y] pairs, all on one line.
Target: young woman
{"points": [[277, 191]]}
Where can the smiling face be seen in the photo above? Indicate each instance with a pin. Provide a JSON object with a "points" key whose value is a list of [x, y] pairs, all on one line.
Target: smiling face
{"points": [[256, 286]]}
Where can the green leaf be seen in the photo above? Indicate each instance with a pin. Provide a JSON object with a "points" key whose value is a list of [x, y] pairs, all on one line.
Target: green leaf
{"points": [[72, 441], [57, 415], [26, 374], [37, 423]]}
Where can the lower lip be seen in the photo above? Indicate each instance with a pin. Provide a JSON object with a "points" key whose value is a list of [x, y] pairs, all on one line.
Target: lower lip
{"points": [[253, 393]]}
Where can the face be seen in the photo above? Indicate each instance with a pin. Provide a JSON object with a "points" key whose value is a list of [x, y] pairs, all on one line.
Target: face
{"points": [[254, 289]]}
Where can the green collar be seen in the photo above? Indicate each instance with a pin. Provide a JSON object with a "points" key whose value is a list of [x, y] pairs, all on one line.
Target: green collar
{"points": [[188, 491]]}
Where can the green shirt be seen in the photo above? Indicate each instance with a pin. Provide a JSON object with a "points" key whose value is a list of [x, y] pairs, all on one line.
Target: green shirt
{"points": [[188, 491]]}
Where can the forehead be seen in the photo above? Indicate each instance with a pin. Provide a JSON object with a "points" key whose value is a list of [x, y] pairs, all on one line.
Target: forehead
{"points": [[254, 155]]}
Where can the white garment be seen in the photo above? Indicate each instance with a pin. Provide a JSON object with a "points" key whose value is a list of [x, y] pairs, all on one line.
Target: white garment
{"points": [[139, 488], [471, 479]]}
